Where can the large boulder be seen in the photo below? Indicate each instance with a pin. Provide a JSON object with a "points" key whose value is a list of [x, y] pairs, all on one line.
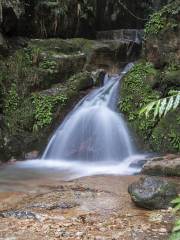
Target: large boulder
{"points": [[152, 193], [168, 165]]}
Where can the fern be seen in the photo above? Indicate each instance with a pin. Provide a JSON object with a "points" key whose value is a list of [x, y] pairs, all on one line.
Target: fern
{"points": [[161, 107]]}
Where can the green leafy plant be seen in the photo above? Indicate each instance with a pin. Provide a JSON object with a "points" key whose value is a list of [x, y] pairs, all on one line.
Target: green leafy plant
{"points": [[43, 109], [156, 23], [161, 107], [176, 229], [163, 19]]}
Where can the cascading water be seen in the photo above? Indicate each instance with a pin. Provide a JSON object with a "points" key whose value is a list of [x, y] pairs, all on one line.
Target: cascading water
{"points": [[93, 131], [93, 139]]}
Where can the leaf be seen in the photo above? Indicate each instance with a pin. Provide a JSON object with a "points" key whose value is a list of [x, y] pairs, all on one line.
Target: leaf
{"points": [[176, 200], [177, 208], [177, 101], [176, 228], [156, 112], [162, 107], [169, 105], [147, 109]]}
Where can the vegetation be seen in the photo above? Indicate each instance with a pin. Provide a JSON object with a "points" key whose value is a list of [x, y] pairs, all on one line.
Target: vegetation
{"points": [[43, 109], [162, 106], [164, 19], [135, 94], [176, 230]]}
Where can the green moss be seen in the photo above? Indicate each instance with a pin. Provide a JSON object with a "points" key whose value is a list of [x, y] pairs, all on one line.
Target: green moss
{"points": [[166, 135], [80, 81], [60, 46], [136, 93]]}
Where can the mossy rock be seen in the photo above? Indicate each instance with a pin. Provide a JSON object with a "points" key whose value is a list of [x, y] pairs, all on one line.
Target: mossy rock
{"points": [[162, 33], [172, 78], [136, 92], [29, 122], [152, 193], [81, 81], [165, 136]]}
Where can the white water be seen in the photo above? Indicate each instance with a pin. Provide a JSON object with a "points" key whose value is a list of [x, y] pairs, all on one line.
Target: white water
{"points": [[93, 131], [92, 140]]}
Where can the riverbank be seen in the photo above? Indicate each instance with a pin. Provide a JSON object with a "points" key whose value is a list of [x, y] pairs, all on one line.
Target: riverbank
{"points": [[97, 207]]}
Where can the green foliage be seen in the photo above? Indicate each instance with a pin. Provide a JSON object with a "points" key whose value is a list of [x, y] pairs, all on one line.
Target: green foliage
{"points": [[136, 93], [176, 230], [11, 105], [17, 112], [161, 107], [163, 19], [44, 107], [156, 23], [175, 140]]}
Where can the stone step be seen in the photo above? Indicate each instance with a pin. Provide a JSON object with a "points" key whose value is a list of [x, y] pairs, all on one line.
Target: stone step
{"points": [[135, 35]]}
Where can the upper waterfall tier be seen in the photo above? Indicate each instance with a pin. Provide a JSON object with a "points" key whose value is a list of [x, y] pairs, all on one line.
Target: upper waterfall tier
{"points": [[134, 35]]}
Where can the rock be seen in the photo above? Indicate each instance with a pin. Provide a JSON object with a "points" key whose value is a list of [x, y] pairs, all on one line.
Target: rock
{"points": [[64, 205], [168, 165], [138, 163], [11, 13], [18, 214], [113, 14], [152, 193], [31, 155], [112, 55], [163, 48], [3, 45], [98, 77]]}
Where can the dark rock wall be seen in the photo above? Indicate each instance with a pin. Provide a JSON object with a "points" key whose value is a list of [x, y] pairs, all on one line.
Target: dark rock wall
{"points": [[43, 19]]}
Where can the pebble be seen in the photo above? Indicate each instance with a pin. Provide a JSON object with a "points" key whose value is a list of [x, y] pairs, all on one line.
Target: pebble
{"points": [[162, 230]]}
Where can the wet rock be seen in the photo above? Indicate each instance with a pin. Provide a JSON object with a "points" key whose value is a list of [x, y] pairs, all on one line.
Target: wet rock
{"points": [[31, 155], [168, 165], [138, 164], [112, 55], [98, 77], [54, 206], [3, 44], [18, 214], [10, 14], [152, 193]]}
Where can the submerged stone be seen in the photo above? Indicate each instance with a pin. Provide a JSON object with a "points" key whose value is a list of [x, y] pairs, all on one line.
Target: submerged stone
{"points": [[152, 193]]}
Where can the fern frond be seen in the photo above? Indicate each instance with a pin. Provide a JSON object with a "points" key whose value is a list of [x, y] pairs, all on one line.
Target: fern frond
{"points": [[161, 107]]}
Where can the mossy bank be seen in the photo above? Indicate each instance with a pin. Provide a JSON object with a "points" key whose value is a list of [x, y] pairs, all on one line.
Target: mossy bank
{"points": [[153, 77]]}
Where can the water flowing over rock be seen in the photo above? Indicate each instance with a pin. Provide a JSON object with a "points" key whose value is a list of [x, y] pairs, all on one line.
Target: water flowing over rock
{"points": [[93, 131]]}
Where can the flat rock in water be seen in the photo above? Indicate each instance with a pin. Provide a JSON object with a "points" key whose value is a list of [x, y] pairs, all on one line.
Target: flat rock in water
{"points": [[168, 165], [152, 193]]}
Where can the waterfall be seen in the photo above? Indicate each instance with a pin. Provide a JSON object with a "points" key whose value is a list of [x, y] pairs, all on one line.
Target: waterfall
{"points": [[93, 139], [94, 131]]}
